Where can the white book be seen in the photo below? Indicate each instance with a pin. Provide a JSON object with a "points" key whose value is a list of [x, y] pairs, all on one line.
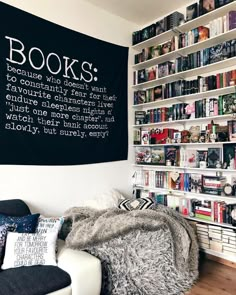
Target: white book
{"points": [[224, 24], [229, 241], [230, 234], [202, 225], [225, 245], [205, 241], [227, 248], [229, 253], [204, 246], [215, 236], [215, 227], [202, 230], [216, 246]]}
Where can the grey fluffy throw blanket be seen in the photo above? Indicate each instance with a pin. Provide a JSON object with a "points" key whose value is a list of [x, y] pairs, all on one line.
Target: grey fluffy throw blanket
{"points": [[143, 252]]}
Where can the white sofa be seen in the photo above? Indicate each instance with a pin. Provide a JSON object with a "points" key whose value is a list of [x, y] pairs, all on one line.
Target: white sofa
{"points": [[84, 270]]}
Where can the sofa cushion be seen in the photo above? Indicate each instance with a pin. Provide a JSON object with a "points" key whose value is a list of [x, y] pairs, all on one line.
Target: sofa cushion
{"points": [[29, 249], [137, 204], [14, 207], [23, 224], [33, 280]]}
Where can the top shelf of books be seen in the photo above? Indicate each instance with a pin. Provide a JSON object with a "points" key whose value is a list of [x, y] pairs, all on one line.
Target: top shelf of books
{"points": [[199, 21]]}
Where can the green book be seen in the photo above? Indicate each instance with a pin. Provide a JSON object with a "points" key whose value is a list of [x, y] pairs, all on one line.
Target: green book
{"points": [[201, 216]]}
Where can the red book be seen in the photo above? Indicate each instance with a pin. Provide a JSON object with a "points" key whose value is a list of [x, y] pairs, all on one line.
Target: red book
{"points": [[181, 181], [203, 212], [217, 81], [215, 211]]}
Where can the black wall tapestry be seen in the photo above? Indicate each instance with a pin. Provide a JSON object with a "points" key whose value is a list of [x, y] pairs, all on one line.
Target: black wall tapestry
{"points": [[63, 95]]}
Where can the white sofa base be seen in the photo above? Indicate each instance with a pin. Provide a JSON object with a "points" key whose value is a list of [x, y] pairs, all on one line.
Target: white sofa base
{"points": [[83, 268], [64, 291]]}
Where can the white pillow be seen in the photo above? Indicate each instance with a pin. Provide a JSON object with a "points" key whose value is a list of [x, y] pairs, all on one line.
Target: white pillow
{"points": [[24, 249], [108, 199], [49, 225]]}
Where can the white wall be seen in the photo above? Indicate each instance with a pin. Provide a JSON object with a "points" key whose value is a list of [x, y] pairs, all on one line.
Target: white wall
{"points": [[52, 190]]}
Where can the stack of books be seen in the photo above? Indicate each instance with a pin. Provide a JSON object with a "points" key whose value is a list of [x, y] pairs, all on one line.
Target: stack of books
{"points": [[203, 236], [215, 235], [229, 241]]}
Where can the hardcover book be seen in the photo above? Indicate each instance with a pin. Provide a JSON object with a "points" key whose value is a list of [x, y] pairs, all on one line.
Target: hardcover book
{"points": [[151, 73], [229, 156], [232, 130], [144, 137], [206, 6], [166, 47], [160, 27], [137, 136], [158, 92], [216, 53], [158, 156], [201, 157], [155, 51], [142, 76], [172, 153], [139, 117], [213, 157], [191, 12], [231, 20], [143, 155], [203, 33], [191, 158], [228, 103], [195, 183]]}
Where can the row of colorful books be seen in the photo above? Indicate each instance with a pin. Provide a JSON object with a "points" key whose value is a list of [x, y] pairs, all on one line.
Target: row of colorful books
{"points": [[203, 108], [188, 182], [180, 157], [193, 60], [176, 18], [185, 87], [217, 26], [205, 210]]}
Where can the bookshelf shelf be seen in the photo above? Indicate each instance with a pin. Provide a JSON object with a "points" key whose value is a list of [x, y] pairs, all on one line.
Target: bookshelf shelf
{"points": [[171, 168], [184, 98], [186, 50], [200, 21], [188, 74], [181, 122], [186, 144], [209, 222], [220, 254], [190, 195]]}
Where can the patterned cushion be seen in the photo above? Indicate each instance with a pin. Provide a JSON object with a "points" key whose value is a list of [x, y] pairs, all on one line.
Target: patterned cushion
{"points": [[24, 249], [137, 204], [25, 224], [3, 234]]}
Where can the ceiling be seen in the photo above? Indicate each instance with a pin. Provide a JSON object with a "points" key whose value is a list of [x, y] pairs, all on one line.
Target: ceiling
{"points": [[140, 11]]}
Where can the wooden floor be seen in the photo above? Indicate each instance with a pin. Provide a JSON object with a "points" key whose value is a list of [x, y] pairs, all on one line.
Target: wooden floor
{"points": [[215, 279]]}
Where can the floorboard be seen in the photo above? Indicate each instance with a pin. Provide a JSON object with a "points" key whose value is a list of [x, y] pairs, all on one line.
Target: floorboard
{"points": [[215, 279]]}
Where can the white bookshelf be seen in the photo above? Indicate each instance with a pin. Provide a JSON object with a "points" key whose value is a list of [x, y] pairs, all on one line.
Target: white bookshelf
{"points": [[218, 67]]}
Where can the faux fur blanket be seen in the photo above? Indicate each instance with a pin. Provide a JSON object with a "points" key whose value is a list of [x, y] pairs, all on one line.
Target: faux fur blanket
{"points": [[143, 252]]}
